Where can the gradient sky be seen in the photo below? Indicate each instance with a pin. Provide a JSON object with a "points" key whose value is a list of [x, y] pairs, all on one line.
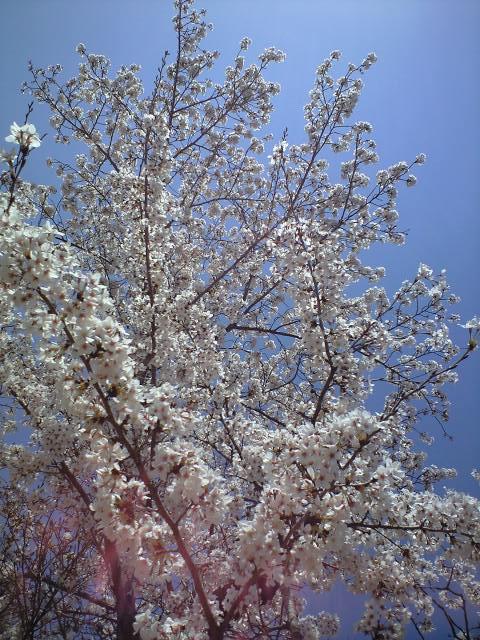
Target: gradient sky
{"points": [[421, 96]]}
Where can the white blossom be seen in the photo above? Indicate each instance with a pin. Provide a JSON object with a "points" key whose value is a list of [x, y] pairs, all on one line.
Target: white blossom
{"points": [[24, 135], [473, 323]]}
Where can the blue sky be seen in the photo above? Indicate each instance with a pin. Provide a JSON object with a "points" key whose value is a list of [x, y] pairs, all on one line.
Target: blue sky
{"points": [[422, 96]]}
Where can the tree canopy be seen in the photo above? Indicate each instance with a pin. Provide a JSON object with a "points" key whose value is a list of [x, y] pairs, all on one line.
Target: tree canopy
{"points": [[192, 337]]}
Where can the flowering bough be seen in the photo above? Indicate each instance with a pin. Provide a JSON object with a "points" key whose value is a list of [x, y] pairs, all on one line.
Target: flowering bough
{"points": [[178, 337]]}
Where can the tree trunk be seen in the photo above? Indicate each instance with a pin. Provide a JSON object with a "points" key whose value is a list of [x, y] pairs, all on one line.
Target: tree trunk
{"points": [[122, 587]]}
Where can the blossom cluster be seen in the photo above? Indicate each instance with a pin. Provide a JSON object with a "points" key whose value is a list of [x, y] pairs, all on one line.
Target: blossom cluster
{"points": [[24, 135]]}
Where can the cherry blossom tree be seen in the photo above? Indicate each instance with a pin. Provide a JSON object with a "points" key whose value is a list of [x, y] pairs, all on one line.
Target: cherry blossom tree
{"points": [[181, 340]]}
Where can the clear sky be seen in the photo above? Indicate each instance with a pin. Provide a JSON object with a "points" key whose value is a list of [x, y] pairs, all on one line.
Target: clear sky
{"points": [[423, 95]]}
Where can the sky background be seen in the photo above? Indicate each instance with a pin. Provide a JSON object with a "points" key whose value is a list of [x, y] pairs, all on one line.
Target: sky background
{"points": [[421, 96]]}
